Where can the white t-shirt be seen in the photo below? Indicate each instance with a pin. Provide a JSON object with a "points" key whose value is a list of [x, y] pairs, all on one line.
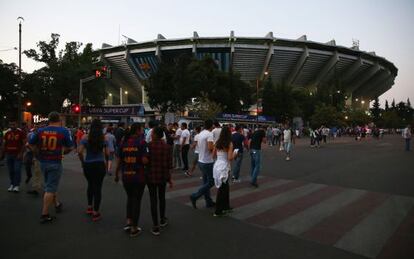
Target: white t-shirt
{"points": [[216, 134], [148, 137], [178, 133], [287, 135], [407, 133], [205, 155], [196, 148], [185, 134]]}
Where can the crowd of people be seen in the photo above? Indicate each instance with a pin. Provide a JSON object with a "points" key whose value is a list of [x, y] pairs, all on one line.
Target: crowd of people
{"points": [[145, 157]]}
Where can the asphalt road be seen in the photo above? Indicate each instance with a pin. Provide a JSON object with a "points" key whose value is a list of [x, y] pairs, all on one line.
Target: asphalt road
{"points": [[377, 168]]}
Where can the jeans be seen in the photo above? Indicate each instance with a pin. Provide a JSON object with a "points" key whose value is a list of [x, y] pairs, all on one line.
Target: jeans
{"points": [[176, 155], [223, 198], [14, 165], [255, 156], [184, 155], [134, 193], [94, 173], [208, 182], [157, 193], [237, 165], [407, 144]]}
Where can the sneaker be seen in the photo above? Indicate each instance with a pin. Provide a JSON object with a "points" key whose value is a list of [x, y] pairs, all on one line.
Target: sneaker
{"points": [[89, 211], [46, 219], [10, 188], [229, 210], [211, 205], [155, 230], [287, 158], [59, 208], [188, 174], [255, 185], [16, 189], [127, 227], [219, 215], [193, 202], [135, 233], [96, 217], [163, 222], [33, 192]]}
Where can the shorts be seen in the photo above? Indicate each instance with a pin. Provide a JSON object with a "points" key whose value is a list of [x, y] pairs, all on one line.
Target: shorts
{"points": [[287, 146], [51, 174]]}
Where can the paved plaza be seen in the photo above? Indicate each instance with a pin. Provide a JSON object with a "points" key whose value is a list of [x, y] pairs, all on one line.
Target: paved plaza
{"points": [[346, 199]]}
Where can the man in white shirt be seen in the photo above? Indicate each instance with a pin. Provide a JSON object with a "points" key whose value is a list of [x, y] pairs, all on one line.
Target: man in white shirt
{"points": [[177, 147], [288, 140], [185, 145], [407, 137], [216, 131], [205, 162]]}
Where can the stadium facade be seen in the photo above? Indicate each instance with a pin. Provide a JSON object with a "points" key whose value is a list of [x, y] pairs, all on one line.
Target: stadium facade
{"points": [[300, 63]]}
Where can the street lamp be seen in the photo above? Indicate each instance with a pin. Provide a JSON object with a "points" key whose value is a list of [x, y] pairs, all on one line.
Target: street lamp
{"points": [[19, 97], [28, 104], [257, 99]]}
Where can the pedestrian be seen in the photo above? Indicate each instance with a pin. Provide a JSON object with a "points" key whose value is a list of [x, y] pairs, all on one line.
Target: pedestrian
{"points": [[216, 131], [195, 147], [407, 136], [119, 135], [133, 156], [255, 146], [288, 140], [205, 163], [36, 181], [79, 134], [13, 149], [92, 150], [185, 145], [51, 143], [111, 141], [238, 141], [177, 147], [269, 136], [160, 164], [223, 151]]}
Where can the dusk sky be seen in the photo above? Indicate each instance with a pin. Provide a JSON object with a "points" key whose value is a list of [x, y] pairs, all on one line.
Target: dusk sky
{"points": [[383, 26]]}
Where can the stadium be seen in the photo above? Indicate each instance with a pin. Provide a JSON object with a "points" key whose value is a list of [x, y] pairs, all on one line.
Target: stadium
{"points": [[300, 63]]}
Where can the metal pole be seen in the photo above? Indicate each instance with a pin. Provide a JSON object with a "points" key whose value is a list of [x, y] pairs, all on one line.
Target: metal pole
{"points": [[19, 97], [257, 103], [80, 102]]}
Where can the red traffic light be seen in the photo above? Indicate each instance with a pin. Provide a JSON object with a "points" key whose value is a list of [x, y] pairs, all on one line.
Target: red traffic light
{"points": [[104, 72], [76, 108]]}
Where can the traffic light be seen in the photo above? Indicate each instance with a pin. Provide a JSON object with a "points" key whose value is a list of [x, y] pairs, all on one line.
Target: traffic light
{"points": [[103, 72], [76, 108]]}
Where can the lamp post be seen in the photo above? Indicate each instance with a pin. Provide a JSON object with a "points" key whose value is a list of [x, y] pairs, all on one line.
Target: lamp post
{"points": [[19, 97], [257, 99]]}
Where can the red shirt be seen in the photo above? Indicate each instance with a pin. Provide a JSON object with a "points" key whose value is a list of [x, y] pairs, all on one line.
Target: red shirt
{"points": [[160, 157], [14, 141]]}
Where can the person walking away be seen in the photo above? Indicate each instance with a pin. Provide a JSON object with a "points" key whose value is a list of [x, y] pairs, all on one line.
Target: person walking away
{"points": [[185, 146], [111, 141], [269, 136], [13, 149], [216, 131], [160, 164], [79, 135], [119, 135], [223, 151], [238, 141], [205, 163], [288, 140], [50, 143], [92, 151], [194, 146], [133, 156], [177, 147], [407, 136], [258, 137]]}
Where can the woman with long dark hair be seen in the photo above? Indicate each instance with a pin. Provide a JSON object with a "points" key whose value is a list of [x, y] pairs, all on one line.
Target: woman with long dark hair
{"points": [[92, 151], [223, 151], [132, 156]]}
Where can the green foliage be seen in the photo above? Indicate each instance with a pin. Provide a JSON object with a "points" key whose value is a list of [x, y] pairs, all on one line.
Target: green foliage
{"points": [[359, 117], [206, 108], [8, 80], [59, 78], [376, 111], [176, 83], [391, 119], [326, 115]]}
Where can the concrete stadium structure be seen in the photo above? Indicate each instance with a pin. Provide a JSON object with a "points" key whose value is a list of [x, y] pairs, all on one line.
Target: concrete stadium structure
{"points": [[300, 63]]}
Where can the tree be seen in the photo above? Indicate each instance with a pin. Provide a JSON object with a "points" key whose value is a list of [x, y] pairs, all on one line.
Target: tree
{"points": [[393, 105], [376, 110], [325, 115], [206, 109], [359, 117], [391, 119], [8, 80], [59, 78], [387, 107], [268, 98]]}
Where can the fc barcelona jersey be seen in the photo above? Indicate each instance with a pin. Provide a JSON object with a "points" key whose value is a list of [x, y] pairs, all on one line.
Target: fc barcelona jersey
{"points": [[51, 140]]}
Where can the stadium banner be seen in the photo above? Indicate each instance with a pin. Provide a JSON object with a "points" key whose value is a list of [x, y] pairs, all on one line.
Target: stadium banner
{"points": [[245, 117], [137, 110]]}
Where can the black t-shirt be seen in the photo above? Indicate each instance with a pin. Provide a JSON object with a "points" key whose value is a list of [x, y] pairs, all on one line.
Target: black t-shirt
{"points": [[238, 140], [257, 137]]}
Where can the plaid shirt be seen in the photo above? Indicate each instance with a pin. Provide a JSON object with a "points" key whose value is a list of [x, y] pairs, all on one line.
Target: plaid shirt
{"points": [[160, 162]]}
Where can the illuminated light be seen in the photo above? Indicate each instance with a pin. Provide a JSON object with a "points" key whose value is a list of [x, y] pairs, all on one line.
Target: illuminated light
{"points": [[126, 92], [346, 117], [362, 101], [266, 73], [110, 94], [338, 91], [356, 99], [28, 104], [98, 73]]}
